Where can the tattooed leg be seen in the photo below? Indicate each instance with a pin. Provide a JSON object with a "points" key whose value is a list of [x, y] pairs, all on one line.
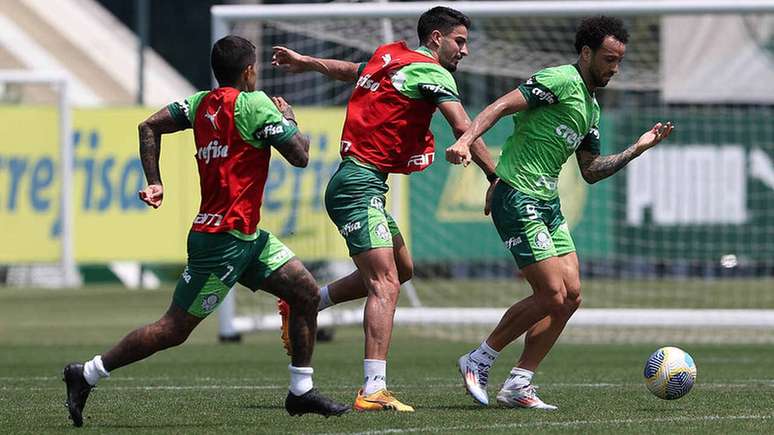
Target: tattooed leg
{"points": [[172, 329], [293, 283]]}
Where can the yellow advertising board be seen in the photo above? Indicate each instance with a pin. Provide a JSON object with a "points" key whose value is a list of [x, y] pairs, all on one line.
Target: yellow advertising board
{"points": [[110, 221]]}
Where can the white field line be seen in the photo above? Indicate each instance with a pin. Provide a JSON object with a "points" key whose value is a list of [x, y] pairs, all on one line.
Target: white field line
{"points": [[565, 424]]}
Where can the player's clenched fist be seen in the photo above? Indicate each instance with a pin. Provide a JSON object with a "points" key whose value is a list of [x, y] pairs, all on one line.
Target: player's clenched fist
{"points": [[152, 195], [458, 155]]}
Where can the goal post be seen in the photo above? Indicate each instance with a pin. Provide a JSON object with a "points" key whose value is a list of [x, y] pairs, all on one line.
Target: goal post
{"points": [[69, 275], [657, 249]]}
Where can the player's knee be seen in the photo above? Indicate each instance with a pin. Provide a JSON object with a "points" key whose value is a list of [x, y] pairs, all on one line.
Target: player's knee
{"points": [[385, 288], [304, 296], [552, 299], [574, 297]]}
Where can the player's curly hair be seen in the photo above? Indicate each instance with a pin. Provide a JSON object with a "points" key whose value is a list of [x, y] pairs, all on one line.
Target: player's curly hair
{"points": [[442, 19], [592, 31], [230, 56]]}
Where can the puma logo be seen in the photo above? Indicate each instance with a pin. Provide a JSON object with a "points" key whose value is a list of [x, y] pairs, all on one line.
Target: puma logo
{"points": [[387, 59], [212, 117]]}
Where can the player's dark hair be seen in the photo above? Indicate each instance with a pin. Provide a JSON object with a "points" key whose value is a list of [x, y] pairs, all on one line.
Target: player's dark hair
{"points": [[230, 56], [592, 31], [442, 19]]}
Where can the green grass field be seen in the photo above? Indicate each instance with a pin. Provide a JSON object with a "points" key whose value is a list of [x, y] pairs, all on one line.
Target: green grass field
{"points": [[608, 293], [205, 387]]}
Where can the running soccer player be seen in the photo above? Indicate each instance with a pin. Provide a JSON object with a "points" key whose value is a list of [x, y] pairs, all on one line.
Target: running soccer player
{"points": [[556, 115], [387, 131], [234, 127]]}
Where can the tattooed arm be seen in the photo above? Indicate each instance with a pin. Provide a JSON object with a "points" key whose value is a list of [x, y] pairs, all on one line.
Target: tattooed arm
{"points": [[296, 149], [151, 130], [595, 167]]}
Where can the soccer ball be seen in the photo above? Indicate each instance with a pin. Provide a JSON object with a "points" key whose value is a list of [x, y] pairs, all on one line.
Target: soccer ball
{"points": [[670, 373]]}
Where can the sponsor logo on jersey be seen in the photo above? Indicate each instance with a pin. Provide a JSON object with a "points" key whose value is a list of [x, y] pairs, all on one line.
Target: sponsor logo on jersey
{"points": [[210, 302], [212, 219], [349, 228], [365, 82], [185, 107], [382, 231], [386, 58], [542, 240], [547, 182], [213, 117], [213, 150], [398, 80], [541, 92], [377, 202], [186, 275], [570, 137], [421, 160], [269, 130], [434, 90], [282, 255], [513, 241], [345, 146]]}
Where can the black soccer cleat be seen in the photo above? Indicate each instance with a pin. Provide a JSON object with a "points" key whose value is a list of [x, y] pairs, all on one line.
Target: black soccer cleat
{"points": [[77, 392], [315, 403]]}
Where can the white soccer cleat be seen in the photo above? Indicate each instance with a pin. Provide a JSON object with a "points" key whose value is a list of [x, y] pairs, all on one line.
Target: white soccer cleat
{"points": [[522, 397], [474, 377]]}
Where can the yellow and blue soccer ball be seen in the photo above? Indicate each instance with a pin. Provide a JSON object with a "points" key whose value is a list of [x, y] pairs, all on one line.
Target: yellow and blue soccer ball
{"points": [[670, 373]]}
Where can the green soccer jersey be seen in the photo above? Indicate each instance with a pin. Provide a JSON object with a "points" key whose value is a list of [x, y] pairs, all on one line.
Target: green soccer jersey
{"points": [[424, 80], [257, 119], [562, 117]]}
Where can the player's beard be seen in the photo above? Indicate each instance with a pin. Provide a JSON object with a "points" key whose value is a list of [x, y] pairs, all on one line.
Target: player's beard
{"points": [[450, 65], [600, 81]]}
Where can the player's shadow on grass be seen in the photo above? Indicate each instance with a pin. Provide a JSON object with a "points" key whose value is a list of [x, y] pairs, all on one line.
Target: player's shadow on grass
{"points": [[452, 407], [262, 406], [158, 426], [662, 409]]}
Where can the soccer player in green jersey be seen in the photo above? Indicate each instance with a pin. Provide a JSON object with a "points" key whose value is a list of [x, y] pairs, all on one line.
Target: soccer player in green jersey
{"points": [[556, 115], [387, 131], [235, 126]]}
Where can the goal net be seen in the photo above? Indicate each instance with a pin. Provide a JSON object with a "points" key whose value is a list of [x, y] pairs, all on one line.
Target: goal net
{"points": [[37, 199], [681, 241]]}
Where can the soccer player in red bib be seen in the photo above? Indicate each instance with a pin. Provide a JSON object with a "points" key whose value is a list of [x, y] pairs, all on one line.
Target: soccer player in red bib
{"points": [[234, 127], [387, 131]]}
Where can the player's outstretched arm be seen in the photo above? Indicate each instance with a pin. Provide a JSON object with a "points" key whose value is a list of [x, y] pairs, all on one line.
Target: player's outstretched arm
{"points": [[595, 167], [508, 104], [459, 153], [296, 149], [294, 62], [151, 130]]}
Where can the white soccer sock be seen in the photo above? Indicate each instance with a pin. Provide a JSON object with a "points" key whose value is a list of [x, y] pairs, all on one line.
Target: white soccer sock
{"points": [[519, 377], [93, 370], [375, 375], [325, 299], [300, 379], [484, 354]]}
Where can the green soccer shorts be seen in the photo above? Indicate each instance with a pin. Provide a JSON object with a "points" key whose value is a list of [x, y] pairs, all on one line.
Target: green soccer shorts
{"points": [[532, 229], [354, 200], [217, 261]]}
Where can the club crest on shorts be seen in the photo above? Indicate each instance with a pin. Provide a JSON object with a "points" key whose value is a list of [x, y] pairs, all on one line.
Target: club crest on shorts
{"points": [[382, 232], [543, 240], [210, 302]]}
